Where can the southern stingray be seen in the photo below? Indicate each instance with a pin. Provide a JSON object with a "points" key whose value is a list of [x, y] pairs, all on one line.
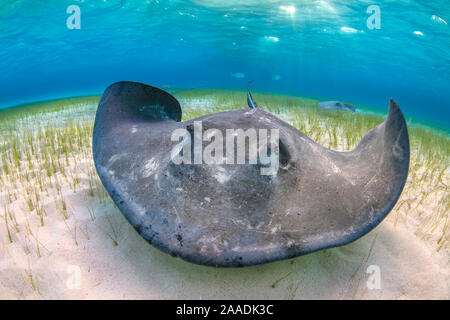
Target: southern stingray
{"points": [[230, 215], [337, 105]]}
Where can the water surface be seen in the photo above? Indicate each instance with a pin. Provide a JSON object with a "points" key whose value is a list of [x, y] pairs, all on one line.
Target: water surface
{"points": [[316, 48]]}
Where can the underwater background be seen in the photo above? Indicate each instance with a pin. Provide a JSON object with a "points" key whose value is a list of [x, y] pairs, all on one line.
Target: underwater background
{"points": [[63, 237], [315, 48]]}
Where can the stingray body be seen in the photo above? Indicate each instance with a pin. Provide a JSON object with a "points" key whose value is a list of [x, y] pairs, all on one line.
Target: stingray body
{"points": [[337, 105], [231, 215]]}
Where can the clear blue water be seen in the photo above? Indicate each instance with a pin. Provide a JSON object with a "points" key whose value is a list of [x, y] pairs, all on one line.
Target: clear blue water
{"points": [[323, 49]]}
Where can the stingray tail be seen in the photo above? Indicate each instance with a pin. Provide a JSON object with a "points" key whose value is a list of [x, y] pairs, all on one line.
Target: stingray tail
{"points": [[251, 103]]}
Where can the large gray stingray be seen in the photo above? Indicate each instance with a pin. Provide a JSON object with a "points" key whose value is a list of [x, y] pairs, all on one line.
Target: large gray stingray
{"points": [[230, 215]]}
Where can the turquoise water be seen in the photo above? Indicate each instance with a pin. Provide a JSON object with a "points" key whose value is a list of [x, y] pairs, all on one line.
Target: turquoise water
{"points": [[315, 48]]}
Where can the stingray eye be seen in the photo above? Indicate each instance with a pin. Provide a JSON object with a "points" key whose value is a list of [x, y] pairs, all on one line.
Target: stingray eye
{"points": [[284, 155]]}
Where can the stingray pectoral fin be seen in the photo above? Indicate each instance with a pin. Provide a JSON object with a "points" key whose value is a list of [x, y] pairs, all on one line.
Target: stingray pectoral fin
{"points": [[133, 102], [388, 142], [372, 176], [123, 132], [394, 154]]}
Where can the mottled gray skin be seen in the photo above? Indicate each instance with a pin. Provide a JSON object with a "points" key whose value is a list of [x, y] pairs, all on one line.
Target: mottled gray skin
{"points": [[231, 215], [336, 105]]}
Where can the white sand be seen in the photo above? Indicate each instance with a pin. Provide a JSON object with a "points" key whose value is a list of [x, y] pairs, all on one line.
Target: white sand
{"points": [[409, 267]]}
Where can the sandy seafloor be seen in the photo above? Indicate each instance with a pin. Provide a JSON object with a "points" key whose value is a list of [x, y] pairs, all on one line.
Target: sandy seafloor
{"points": [[82, 257]]}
